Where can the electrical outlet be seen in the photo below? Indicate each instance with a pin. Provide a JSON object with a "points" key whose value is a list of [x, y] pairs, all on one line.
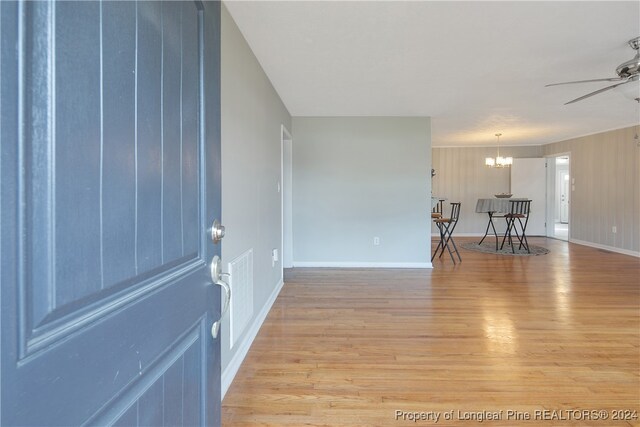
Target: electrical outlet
{"points": [[376, 241], [614, 229]]}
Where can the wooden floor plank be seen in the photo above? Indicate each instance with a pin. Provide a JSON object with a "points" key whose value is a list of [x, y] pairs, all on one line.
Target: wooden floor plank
{"points": [[350, 347]]}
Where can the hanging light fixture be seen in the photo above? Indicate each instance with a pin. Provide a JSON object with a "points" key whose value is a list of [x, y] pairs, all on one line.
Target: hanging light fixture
{"points": [[498, 161]]}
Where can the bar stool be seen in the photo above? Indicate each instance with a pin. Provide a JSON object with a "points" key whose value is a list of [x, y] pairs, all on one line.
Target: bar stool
{"points": [[446, 226], [519, 211], [436, 212]]}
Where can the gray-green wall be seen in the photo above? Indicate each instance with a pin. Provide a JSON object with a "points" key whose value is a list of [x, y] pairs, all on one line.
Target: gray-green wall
{"points": [[252, 114], [606, 169], [356, 178]]}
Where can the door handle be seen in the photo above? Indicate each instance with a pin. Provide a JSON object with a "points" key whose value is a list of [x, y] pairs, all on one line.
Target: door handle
{"points": [[217, 231], [216, 277]]}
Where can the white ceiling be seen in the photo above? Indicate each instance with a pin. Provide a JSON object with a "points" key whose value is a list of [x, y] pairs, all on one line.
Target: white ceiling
{"points": [[476, 68]]}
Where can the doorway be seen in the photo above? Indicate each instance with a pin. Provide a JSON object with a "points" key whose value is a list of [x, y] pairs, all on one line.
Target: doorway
{"points": [[559, 189], [286, 198]]}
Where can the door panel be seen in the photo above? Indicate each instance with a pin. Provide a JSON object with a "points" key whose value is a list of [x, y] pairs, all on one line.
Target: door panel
{"points": [[149, 136], [171, 124], [169, 395], [118, 130], [72, 102], [110, 173], [189, 134]]}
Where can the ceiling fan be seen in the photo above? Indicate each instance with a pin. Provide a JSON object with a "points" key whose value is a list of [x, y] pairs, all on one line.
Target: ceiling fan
{"points": [[628, 72]]}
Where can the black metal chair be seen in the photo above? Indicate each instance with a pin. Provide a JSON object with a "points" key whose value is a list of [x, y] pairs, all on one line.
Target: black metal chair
{"points": [[519, 211], [436, 212], [446, 226]]}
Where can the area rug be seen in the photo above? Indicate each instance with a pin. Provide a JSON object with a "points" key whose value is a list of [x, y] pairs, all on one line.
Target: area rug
{"points": [[490, 248]]}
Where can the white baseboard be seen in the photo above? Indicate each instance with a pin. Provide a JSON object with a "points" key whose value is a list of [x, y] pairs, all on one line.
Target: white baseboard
{"points": [[605, 247], [320, 264], [229, 373]]}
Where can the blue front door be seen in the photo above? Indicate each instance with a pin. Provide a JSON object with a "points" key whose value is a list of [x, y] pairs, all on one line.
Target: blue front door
{"points": [[110, 177]]}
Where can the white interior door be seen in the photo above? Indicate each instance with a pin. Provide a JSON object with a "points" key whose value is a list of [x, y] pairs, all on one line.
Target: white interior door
{"points": [[564, 197], [551, 196], [528, 180]]}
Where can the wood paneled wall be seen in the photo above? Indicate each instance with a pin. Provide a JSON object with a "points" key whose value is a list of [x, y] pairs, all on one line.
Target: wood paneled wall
{"points": [[461, 176], [606, 169]]}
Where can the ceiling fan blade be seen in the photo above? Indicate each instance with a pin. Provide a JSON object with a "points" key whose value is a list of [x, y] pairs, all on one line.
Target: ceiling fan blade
{"points": [[604, 89], [613, 79]]}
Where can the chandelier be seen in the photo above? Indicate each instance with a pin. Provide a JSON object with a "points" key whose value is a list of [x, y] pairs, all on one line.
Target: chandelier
{"points": [[498, 161]]}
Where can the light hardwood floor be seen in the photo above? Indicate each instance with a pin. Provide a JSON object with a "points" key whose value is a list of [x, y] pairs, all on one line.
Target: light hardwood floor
{"points": [[350, 347]]}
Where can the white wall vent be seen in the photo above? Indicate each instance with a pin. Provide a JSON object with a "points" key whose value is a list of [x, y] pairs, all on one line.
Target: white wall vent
{"points": [[241, 282]]}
